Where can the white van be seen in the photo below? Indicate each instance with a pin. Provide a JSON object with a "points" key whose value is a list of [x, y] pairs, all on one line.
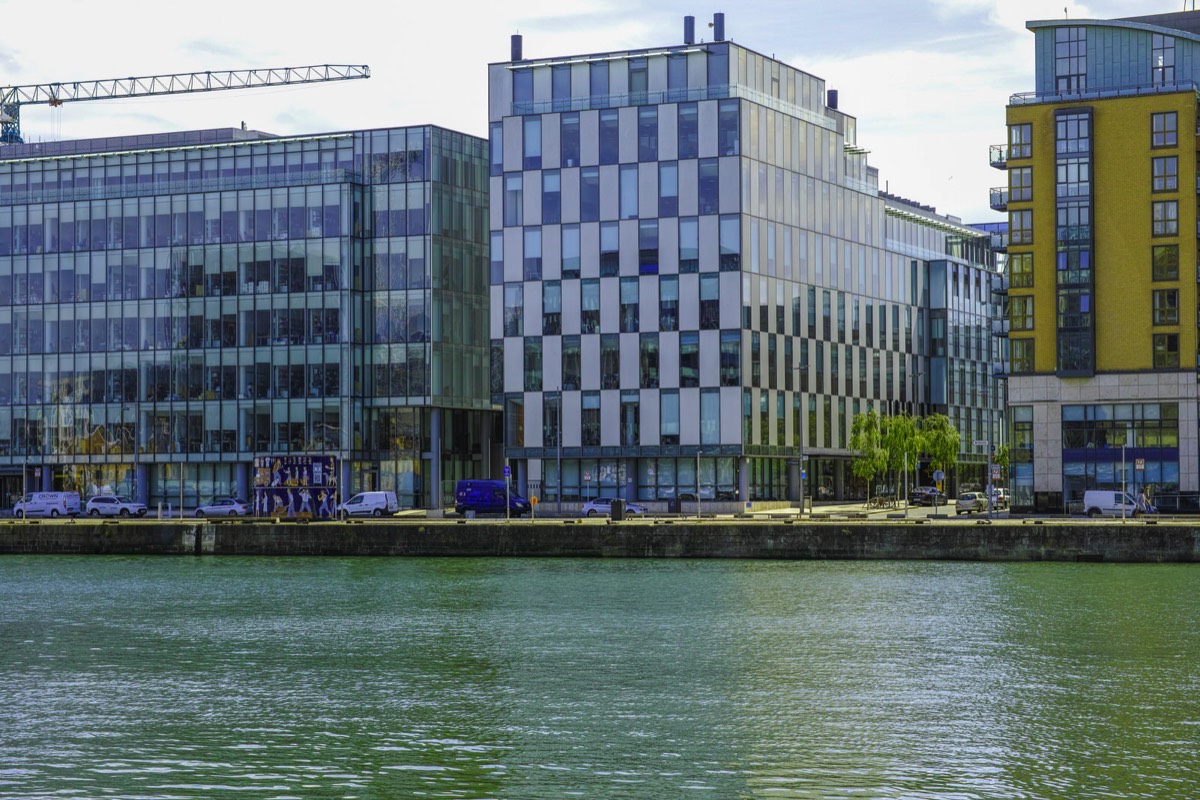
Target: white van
{"points": [[374, 504], [1105, 502], [48, 504]]}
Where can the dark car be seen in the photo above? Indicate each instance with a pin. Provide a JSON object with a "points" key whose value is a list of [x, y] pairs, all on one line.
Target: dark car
{"points": [[927, 496]]}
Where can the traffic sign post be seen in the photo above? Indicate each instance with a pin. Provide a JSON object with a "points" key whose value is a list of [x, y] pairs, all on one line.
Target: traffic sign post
{"points": [[507, 492], [938, 477]]}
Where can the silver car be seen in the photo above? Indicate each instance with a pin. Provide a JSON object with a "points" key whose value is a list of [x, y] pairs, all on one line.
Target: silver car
{"points": [[223, 507], [970, 501], [602, 506]]}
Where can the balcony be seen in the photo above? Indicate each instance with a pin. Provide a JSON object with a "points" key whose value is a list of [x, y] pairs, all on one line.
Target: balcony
{"points": [[998, 156], [999, 369], [999, 198], [1000, 284], [999, 242], [1000, 328]]}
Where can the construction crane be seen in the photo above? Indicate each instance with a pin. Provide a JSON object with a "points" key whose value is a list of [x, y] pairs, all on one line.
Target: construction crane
{"points": [[55, 94]]}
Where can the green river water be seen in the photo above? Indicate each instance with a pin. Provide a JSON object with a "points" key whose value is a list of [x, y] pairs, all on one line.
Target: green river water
{"points": [[139, 678]]}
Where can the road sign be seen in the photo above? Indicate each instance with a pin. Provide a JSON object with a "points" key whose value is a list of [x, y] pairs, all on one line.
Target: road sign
{"points": [[587, 476], [981, 443], [803, 474], [939, 476], [507, 471], [1139, 464], [995, 473]]}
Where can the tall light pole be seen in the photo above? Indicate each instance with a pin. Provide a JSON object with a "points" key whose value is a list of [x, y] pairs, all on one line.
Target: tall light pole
{"points": [[698, 483], [558, 437]]}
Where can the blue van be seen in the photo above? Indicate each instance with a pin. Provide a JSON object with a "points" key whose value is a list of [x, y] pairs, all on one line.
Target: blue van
{"points": [[487, 497]]}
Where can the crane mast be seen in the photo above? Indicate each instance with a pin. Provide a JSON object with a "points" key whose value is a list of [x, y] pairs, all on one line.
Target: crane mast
{"points": [[55, 94]]}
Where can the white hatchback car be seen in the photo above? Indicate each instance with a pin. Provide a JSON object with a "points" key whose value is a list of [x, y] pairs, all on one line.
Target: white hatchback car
{"points": [[111, 505]]}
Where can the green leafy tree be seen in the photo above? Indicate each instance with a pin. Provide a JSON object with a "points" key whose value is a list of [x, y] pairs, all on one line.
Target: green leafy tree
{"points": [[941, 441], [901, 438], [866, 442]]}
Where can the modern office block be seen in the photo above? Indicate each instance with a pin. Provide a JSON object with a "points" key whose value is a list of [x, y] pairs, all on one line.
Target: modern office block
{"points": [[1101, 284], [172, 306], [696, 282]]}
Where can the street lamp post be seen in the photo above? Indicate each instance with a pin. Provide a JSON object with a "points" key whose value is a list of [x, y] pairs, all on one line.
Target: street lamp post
{"points": [[697, 483]]}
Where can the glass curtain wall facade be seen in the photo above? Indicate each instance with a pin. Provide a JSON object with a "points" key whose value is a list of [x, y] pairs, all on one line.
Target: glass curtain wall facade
{"points": [[172, 306], [718, 287]]}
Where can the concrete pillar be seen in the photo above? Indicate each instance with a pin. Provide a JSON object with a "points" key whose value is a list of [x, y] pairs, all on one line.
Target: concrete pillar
{"points": [[141, 481], [435, 459], [631, 465], [47, 478], [243, 481], [793, 477], [743, 483], [344, 490], [522, 478], [839, 479]]}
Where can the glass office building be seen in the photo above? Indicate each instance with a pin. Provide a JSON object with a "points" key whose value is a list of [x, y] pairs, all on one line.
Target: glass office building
{"points": [[696, 282], [172, 306]]}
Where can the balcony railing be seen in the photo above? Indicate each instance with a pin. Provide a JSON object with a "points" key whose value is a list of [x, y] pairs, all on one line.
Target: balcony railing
{"points": [[999, 369], [1000, 284], [998, 156], [1136, 90], [999, 242], [999, 198], [1000, 327]]}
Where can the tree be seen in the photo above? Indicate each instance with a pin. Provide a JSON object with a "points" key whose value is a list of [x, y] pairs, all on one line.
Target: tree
{"points": [[866, 442], [941, 441], [902, 441]]}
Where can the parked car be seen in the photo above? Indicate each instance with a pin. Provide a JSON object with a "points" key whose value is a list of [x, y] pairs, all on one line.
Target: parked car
{"points": [[487, 496], [1105, 502], [47, 504], [223, 507], [111, 505], [1000, 497], [927, 496], [374, 504], [602, 506], [970, 501]]}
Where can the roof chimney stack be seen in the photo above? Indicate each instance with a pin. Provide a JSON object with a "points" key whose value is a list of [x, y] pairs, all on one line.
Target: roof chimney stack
{"points": [[718, 27], [689, 30], [832, 100], [516, 47]]}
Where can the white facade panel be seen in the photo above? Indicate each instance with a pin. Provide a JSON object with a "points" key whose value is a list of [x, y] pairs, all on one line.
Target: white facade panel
{"points": [[570, 195], [648, 313], [627, 131], [689, 302], [710, 358], [610, 417], [589, 136], [649, 417], [514, 250], [630, 356], [707, 114], [648, 190], [570, 307], [551, 363], [689, 416], [668, 132], [512, 144], [731, 415], [730, 178], [610, 192], [731, 300], [589, 356], [610, 309]]}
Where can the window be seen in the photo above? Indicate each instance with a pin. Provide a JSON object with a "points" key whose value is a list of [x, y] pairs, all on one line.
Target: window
{"points": [[560, 88], [1070, 59], [1021, 355], [689, 359], [551, 308], [668, 188], [638, 83], [631, 403], [533, 254], [1164, 129], [551, 419], [496, 258], [532, 142], [689, 244], [668, 417], [730, 243], [1166, 306], [589, 194], [1162, 59], [514, 200], [629, 191], [598, 83], [1020, 224], [570, 251], [1020, 140], [610, 137], [677, 77], [610, 249], [496, 148], [551, 197], [710, 304], [1166, 218], [709, 198], [610, 361], [710, 416], [514, 309], [533, 363], [568, 139], [1020, 184], [727, 128], [1166, 262], [1020, 313], [718, 68], [523, 89], [1165, 174], [570, 363], [648, 247], [629, 305], [648, 360], [1166, 350], [689, 130], [589, 419], [731, 356], [1020, 270], [668, 303], [648, 133], [589, 312]]}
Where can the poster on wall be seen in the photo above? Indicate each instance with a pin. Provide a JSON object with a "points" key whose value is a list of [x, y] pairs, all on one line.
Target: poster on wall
{"points": [[295, 486]]}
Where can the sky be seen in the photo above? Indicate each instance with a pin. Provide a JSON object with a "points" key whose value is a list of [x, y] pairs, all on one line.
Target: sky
{"points": [[928, 80]]}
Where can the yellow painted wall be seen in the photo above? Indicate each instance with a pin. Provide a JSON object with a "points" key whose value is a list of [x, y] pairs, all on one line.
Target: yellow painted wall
{"points": [[1121, 219]]}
